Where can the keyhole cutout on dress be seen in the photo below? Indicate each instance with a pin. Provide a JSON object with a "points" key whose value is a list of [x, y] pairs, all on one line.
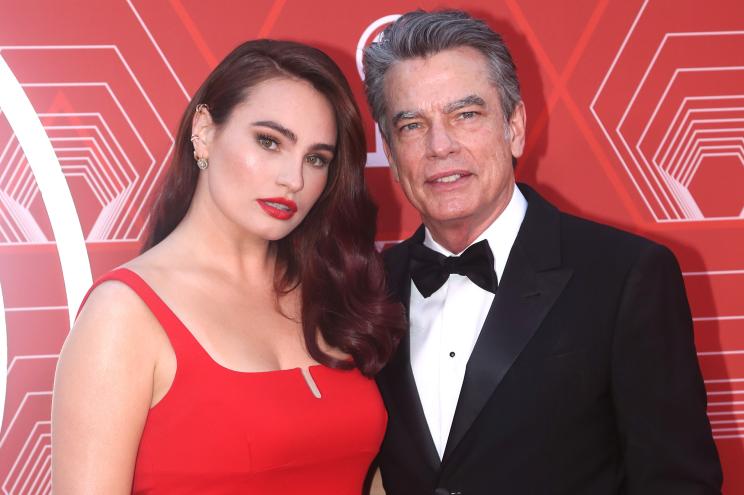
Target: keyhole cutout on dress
{"points": [[310, 382]]}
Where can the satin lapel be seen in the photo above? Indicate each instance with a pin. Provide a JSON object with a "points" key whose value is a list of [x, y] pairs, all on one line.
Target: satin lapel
{"points": [[397, 378], [532, 281]]}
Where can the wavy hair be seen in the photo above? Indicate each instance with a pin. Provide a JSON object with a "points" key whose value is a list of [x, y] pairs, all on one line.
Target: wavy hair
{"points": [[331, 254]]}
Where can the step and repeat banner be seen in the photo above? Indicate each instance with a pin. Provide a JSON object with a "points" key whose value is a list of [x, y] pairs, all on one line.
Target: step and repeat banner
{"points": [[635, 118]]}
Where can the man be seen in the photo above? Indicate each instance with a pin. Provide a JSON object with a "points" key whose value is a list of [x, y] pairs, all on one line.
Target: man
{"points": [[553, 356]]}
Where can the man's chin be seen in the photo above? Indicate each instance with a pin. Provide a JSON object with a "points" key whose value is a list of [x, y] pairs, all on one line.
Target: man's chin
{"points": [[449, 218]]}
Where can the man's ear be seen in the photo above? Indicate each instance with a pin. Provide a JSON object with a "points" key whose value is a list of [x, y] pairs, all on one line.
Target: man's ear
{"points": [[202, 131], [517, 128], [390, 158]]}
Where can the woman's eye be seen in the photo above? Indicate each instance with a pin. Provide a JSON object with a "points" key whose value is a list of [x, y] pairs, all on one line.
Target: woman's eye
{"points": [[267, 142], [317, 161]]}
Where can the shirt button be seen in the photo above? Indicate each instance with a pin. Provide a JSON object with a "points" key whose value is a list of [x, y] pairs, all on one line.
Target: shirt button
{"points": [[452, 354]]}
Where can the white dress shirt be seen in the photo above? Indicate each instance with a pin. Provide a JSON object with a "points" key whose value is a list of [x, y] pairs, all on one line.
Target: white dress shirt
{"points": [[445, 326]]}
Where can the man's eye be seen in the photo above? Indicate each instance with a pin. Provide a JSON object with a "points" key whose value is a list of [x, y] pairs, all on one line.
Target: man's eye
{"points": [[410, 127], [468, 115], [267, 142]]}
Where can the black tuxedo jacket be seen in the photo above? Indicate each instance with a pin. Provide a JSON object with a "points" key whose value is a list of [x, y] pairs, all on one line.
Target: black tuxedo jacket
{"points": [[584, 379]]}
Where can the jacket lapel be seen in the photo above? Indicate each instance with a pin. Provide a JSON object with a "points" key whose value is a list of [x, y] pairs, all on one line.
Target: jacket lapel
{"points": [[532, 281], [397, 379]]}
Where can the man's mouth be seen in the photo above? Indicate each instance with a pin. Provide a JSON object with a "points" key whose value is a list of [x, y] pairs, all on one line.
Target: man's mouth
{"points": [[448, 178]]}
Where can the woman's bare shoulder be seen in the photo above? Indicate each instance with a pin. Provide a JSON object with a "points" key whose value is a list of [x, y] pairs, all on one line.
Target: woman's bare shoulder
{"points": [[118, 312], [107, 364]]}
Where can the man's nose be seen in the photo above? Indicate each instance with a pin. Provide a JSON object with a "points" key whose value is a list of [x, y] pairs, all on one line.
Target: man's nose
{"points": [[290, 175], [441, 141]]}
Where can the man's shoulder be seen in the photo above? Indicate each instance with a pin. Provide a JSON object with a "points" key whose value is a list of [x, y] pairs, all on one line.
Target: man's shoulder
{"points": [[394, 250], [592, 231], [598, 246], [586, 234], [395, 255]]}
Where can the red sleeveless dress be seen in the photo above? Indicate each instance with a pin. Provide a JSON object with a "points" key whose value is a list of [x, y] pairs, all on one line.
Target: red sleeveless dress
{"points": [[219, 431]]}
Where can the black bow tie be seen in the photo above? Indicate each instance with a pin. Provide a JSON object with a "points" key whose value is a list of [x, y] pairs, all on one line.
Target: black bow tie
{"points": [[430, 270]]}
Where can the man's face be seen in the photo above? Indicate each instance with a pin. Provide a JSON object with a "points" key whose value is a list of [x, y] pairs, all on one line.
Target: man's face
{"points": [[447, 142]]}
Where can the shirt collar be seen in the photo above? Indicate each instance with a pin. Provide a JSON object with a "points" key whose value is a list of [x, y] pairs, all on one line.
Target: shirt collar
{"points": [[500, 234]]}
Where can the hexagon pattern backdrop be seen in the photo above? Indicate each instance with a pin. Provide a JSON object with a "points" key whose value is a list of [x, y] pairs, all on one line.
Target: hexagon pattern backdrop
{"points": [[635, 118]]}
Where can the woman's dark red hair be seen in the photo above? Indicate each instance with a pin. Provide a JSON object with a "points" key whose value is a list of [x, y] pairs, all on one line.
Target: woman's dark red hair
{"points": [[331, 254]]}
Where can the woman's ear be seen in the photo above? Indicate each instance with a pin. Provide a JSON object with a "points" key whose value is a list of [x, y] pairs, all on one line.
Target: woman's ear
{"points": [[202, 130]]}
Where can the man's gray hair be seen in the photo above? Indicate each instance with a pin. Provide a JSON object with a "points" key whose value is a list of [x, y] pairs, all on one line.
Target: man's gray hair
{"points": [[421, 34]]}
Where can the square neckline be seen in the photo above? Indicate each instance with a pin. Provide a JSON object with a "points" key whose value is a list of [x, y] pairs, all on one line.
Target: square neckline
{"points": [[191, 335]]}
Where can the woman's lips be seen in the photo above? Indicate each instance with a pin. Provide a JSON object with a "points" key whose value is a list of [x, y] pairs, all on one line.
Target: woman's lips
{"points": [[280, 208]]}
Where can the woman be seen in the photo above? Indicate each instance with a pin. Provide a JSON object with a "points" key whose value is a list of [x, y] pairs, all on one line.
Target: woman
{"points": [[234, 354]]}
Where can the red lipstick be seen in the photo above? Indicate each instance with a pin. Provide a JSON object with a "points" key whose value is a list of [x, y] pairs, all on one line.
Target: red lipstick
{"points": [[280, 208]]}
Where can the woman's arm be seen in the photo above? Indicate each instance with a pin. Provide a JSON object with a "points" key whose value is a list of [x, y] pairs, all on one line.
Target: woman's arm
{"points": [[102, 393]]}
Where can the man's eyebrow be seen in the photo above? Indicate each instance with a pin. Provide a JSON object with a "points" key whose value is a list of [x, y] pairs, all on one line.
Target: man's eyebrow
{"points": [[464, 102], [405, 115], [448, 108], [278, 128]]}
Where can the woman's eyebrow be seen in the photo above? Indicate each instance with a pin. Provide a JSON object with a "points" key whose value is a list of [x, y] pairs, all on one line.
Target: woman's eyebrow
{"points": [[278, 128]]}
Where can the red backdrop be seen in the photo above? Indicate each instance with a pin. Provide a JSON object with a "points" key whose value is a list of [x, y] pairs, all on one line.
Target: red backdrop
{"points": [[635, 113]]}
